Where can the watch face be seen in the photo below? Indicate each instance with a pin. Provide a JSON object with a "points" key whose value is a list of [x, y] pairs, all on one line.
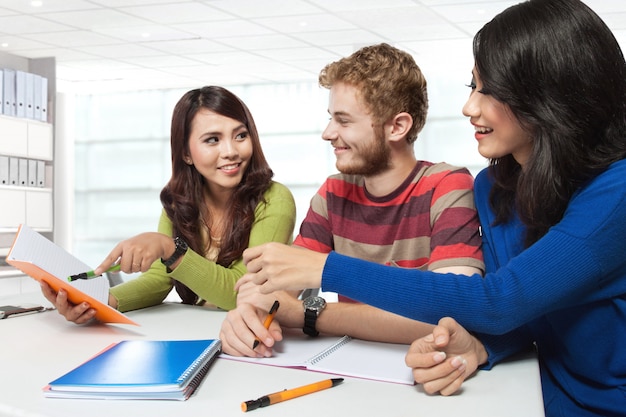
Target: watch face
{"points": [[314, 303]]}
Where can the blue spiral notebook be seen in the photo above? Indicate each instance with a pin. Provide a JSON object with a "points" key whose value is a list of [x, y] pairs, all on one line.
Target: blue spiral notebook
{"points": [[140, 369]]}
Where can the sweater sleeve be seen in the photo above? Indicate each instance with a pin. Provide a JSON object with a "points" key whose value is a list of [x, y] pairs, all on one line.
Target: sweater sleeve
{"points": [[274, 221], [580, 260]]}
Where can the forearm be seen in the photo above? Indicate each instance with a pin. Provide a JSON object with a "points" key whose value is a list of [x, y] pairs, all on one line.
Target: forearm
{"points": [[147, 290], [357, 320], [210, 281], [365, 322]]}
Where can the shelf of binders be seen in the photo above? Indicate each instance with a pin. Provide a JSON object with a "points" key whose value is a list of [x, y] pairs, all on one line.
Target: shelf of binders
{"points": [[26, 153]]}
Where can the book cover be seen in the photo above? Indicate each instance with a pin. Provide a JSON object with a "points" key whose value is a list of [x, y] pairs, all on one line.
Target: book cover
{"points": [[138, 369], [43, 260]]}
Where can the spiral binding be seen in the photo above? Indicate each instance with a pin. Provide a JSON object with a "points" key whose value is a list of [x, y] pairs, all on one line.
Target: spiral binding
{"points": [[329, 350], [210, 351]]}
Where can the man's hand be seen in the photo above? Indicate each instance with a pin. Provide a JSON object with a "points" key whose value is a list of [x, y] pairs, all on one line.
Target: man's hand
{"points": [[242, 326], [442, 360]]}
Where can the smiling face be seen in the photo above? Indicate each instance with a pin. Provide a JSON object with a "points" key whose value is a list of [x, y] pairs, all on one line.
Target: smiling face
{"points": [[220, 149], [498, 131], [360, 148]]}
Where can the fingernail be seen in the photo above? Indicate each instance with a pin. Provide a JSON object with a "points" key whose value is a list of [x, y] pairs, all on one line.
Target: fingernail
{"points": [[439, 356], [429, 337], [459, 362], [440, 340]]}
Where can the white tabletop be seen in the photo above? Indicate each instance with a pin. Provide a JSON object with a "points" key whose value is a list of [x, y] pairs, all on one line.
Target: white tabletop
{"points": [[38, 348]]}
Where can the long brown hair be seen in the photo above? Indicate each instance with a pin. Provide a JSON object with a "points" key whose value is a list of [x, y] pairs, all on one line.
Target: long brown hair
{"points": [[183, 196]]}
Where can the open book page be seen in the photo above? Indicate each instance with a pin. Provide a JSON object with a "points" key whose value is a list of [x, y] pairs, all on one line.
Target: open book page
{"points": [[43, 260], [340, 356]]}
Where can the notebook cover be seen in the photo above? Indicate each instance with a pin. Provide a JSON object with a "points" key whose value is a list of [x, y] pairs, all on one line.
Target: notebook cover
{"points": [[104, 312], [136, 366]]}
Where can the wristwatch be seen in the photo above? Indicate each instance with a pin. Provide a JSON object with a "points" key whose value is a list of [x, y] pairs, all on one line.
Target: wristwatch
{"points": [[313, 306], [181, 248]]}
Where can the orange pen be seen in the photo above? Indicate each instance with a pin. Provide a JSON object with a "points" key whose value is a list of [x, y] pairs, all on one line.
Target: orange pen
{"points": [[288, 394], [268, 321]]}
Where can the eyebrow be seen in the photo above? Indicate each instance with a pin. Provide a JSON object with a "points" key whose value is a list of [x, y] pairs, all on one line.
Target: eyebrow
{"points": [[339, 113], [217, 133]]}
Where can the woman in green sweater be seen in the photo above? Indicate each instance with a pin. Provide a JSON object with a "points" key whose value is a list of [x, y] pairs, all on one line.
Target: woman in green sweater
{"points": [[220, 200]]}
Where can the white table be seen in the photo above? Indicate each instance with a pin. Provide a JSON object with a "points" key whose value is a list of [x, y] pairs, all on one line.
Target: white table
{"points": [[38, 348]]}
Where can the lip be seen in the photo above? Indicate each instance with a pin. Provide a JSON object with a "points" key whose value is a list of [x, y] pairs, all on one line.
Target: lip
{"points": [[231, 169], [480, 132]]}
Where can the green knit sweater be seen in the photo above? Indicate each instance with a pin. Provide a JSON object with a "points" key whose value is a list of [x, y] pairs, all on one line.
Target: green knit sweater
{"points": [[274, 222]]}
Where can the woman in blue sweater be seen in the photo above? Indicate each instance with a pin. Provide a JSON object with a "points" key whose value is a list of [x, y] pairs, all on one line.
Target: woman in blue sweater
{"points": [[548, 103]]}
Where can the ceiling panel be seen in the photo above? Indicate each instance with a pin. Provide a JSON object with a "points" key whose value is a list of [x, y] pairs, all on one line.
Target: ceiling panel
{"points": [[107, 45]]}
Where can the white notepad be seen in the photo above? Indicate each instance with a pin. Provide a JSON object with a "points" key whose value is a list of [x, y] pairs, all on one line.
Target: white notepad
{"points": [[340, 356]]}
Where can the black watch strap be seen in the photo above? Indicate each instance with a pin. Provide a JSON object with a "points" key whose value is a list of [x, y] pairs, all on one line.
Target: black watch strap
{"points": [[310, 318], [181, 248]]}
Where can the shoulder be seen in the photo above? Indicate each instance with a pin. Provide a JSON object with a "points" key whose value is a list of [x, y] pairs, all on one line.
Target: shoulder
{"points": [[337, 183], [442, 175], [606, 192], [483, 182], [277, 189], [278, 192]]}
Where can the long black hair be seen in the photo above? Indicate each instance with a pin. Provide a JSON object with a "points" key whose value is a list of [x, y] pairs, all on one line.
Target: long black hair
{"points": [[561, 71]]}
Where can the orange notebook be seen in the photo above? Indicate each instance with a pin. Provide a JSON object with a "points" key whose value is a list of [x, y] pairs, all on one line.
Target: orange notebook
{"points": [[43, 260]]}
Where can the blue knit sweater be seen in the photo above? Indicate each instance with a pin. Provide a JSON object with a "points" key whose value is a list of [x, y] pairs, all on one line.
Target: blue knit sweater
{"points": [[566, 293]]}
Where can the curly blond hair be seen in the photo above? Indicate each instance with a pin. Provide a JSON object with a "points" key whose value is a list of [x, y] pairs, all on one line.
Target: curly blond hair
{"points": [[388, 81]]}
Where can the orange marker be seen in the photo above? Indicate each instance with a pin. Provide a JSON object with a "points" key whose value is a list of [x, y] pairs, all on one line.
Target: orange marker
{"points": [[268, 320], [288, 394]]}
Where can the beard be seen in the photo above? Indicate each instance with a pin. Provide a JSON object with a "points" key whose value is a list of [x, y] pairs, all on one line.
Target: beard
{"points": [[371, 160]]}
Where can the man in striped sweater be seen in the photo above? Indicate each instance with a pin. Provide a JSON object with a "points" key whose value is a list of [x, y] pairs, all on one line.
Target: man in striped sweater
{"points": [[385, 206]]}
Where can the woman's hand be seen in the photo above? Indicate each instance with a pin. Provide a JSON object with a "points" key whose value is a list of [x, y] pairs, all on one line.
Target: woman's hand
{"points": [[79, 314], [138, 253], [442, 360], [276, 266]]}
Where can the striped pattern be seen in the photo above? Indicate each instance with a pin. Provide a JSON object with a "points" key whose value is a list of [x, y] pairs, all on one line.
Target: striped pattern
{"points": [[429, 222]]}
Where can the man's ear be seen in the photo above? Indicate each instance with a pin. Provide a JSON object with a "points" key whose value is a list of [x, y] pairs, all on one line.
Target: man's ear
{"points": [[398, 126]]}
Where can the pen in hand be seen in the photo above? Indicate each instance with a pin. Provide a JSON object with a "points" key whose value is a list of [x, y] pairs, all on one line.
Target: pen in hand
{"points": [[268, 321], [288, 394], [91, 274]]}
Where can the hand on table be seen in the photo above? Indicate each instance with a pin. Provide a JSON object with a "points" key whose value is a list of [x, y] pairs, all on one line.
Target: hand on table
{"points": [[442, 360], [242, 326]]}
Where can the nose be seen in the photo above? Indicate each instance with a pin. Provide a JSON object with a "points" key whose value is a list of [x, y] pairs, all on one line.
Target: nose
{"points": [[228, 149], [330, 133], [471, 108]]}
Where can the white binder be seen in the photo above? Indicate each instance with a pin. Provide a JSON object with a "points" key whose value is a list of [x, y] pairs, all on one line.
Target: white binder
{"points": [[4, 170], [44, 99], [8, 92], [13, 170], [20, 93], [37, 96], [41, 174], [22, 173], [29, 99], [32, 173]]}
